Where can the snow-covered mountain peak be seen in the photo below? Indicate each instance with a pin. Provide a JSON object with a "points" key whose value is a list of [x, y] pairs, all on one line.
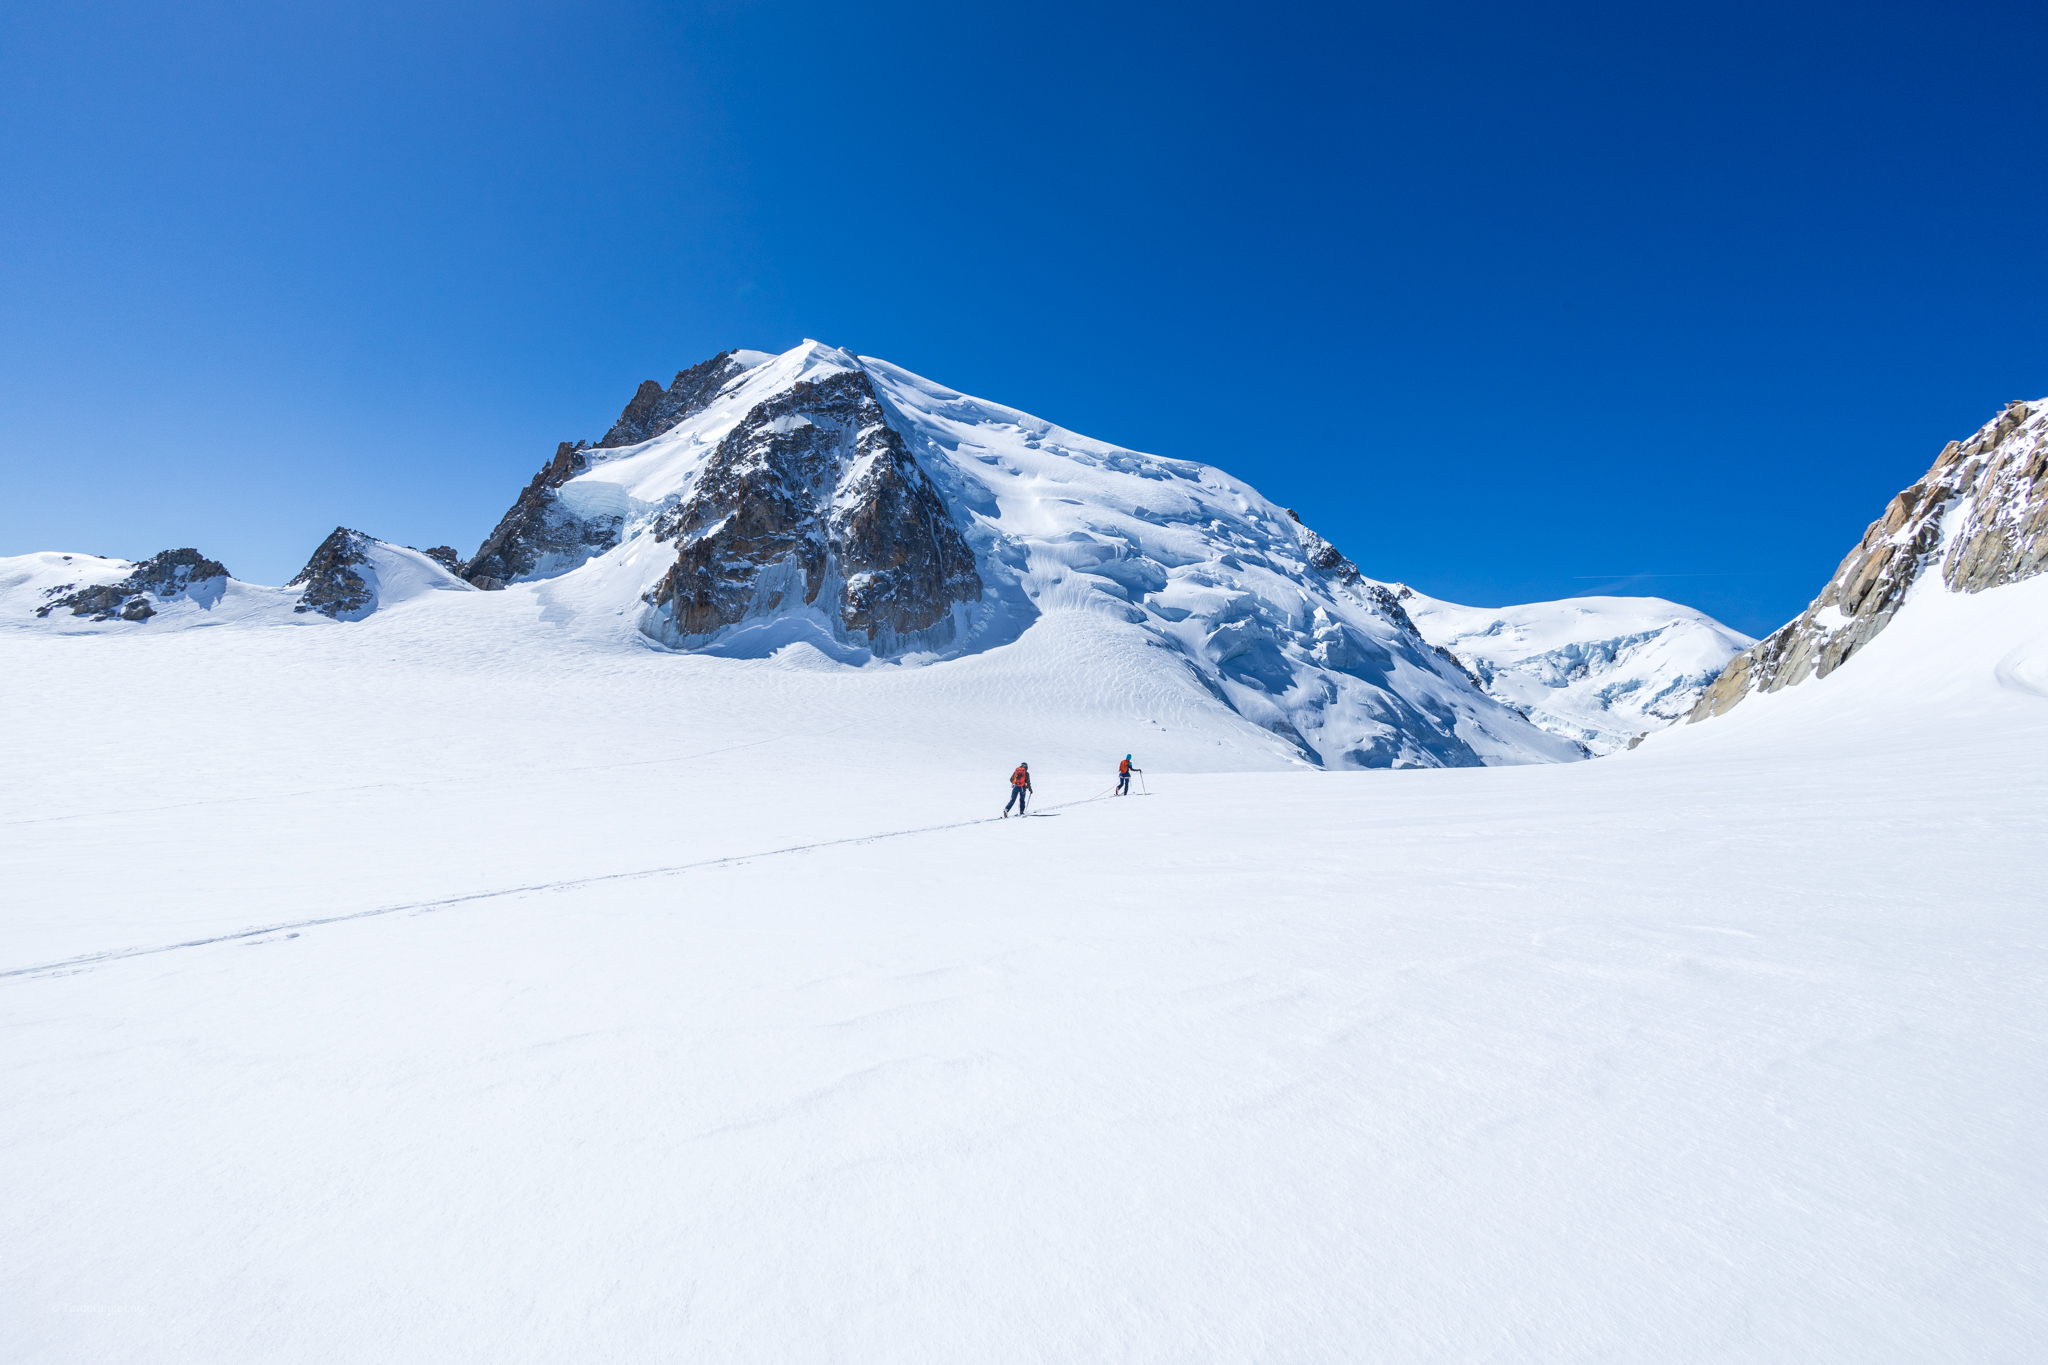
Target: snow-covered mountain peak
{"points": [[845, 504], [1601, 670], [819, 508]]}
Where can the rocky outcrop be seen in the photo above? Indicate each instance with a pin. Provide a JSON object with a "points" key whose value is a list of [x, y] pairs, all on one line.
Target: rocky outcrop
{"points": [[445, 556], [654, 410], [333, 585], [2002, 486], [814, 490], [158, 579], [1323, 556], [535, 527], [1981, 513], [539, 536], [353, 575]]}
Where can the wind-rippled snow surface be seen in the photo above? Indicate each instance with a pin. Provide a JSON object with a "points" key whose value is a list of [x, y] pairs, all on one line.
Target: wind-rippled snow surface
{"points": [[608, 1004]]}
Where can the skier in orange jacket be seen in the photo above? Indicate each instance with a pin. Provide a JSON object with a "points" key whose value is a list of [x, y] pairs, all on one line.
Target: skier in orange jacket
{"points": [[1020, 787], [1123, 776]]}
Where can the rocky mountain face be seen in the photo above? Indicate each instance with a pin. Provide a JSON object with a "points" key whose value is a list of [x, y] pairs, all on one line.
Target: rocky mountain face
{"points": [[818, 500], [164, 576], [537, 528], [812, 488], [654, 410], [1979, 515], [542, 534], [333, 580]]}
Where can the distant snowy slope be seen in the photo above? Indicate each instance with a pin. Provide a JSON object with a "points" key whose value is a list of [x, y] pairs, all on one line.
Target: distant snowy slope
{"points": [[75, 594], [1601, 670], [349, 576]]}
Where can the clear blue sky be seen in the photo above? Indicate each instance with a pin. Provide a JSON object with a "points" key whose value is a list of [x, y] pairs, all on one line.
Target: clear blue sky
{"points": [[1512, 301]]}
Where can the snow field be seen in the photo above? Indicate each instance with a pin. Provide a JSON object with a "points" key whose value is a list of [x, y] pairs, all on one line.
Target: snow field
{"points": [[1724, 1049]]}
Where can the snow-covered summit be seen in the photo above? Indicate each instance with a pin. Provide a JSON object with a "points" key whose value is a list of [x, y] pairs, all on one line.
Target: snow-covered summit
{"points": [[820, 510], [843, 506], [1601, 670]]}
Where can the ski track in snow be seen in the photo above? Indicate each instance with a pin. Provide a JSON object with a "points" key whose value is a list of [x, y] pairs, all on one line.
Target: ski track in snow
{"points": [[403, 786], [115, 954]]}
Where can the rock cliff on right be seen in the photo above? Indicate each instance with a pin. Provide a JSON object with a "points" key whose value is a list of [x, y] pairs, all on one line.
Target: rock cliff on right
{"points": [[1978, 518]]}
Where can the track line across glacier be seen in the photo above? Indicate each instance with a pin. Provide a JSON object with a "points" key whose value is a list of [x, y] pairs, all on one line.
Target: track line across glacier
{"points": [[116, 954], [416, 783]]}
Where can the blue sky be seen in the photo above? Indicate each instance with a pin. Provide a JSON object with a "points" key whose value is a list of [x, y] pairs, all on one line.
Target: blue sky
{"points": [[1511, 301]]}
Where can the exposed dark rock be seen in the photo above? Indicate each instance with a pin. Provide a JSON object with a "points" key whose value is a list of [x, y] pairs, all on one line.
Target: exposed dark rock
{"points": [[2004, 533], [333, 587], [1324, 556], [636, 422], [175, 571], [813, 486], [654, 410], [539, 531], [1465, 668], [445, 556], [101, 603], [1996, 482], [532, 528], [163, 576]]}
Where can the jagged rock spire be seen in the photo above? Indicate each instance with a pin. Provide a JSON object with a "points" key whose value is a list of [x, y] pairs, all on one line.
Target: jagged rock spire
{"points": [[654, 410]]}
